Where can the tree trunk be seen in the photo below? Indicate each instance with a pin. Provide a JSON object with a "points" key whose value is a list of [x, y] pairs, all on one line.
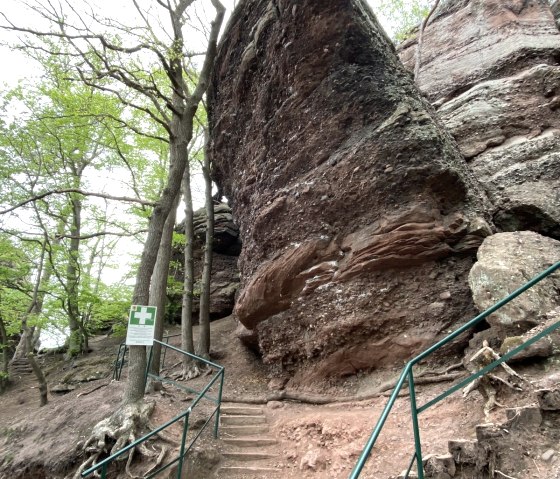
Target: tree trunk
{"points": [[187, 342], [420, 41], [27, 336], [76, 339], [181, 127], [4, 377], [41, 285], [158, 287], [204, 315]]}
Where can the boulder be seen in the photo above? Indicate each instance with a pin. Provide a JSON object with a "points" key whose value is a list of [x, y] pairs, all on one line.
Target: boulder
{"points": [[439, 466], [506, 261], [356, 209], [549, 399]]}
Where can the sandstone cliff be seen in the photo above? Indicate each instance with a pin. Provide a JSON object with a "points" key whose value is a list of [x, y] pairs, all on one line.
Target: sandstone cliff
{"points": [[358, 215], [492, 67]]}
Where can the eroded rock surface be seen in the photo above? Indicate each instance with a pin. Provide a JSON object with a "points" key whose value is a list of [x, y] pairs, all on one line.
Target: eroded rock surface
{"points": [[358, 216], [496, 83], [469, 41], [556, 11], [506, 261], [225, 274]]}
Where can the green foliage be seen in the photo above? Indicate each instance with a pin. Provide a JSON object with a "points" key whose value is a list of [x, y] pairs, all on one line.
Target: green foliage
{"points": [[402, 16], [178, 239], [15, 267], [110, 308]]}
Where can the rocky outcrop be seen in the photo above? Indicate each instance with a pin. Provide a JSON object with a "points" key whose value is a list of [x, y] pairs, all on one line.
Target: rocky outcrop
{"points": [[225, 274], [496, 84], [358, 215], [556, 11], [506, 261], [470, 41]]}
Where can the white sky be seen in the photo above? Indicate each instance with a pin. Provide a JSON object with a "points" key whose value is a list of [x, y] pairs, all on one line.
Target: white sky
{"points": [[16, 66]]}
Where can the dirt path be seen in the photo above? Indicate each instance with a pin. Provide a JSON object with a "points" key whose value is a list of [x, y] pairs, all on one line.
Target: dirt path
{"points": [[302, 441]]}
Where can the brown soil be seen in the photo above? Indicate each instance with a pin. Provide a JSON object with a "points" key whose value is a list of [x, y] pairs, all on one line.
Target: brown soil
{"points": [[314, 441]]}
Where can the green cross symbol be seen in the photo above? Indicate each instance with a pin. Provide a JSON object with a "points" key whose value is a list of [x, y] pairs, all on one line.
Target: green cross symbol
{"points": [[143, 315]]}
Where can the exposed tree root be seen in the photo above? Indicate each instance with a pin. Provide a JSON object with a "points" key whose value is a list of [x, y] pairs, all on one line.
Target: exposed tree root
{"points": [[123, 427], [158, 462], [88, 462], [501, 474], [99, 386], [479, 360], [319, 399], [191, 371]]}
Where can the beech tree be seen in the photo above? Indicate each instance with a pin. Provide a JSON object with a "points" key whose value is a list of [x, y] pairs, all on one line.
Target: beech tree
{"points": [[61, 133], [125, 60]]}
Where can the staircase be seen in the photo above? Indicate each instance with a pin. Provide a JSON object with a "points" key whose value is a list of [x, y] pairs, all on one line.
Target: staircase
{"points": [[249, 452], [20, 367]]}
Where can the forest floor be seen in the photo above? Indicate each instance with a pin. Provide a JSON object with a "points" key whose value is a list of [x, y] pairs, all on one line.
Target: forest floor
{"points": [[313, 441]]}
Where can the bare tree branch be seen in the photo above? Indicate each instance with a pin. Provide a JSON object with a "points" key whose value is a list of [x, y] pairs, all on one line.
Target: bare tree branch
{"points": [[104, 233], [126, 199]]}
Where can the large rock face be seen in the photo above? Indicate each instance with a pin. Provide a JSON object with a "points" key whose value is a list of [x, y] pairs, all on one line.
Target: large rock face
{"points": [[496, 83], [358, 216]]}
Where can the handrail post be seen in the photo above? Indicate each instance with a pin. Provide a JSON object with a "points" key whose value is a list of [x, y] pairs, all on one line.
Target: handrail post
{"points": [[104, 471], [416, 428], [125, 349], [217, 423], [150, 357], [164, 352], [182, 450]]}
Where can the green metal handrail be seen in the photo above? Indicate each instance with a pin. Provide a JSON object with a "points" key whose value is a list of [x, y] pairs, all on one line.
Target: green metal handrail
{"points": [[184, 449], [123, 349], [407, 374]]}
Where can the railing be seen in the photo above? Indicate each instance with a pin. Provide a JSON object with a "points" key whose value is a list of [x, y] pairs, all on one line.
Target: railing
{"points": [[120, 361], [218, 378], [123, 350], [407, 376]]}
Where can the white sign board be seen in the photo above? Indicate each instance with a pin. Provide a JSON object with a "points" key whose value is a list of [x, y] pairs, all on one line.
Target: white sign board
{"points": [[141, 325]]}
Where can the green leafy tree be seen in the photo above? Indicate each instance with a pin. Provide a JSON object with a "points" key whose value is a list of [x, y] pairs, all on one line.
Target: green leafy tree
{"points": [[124, 60], [14, 296], [402, 16]]}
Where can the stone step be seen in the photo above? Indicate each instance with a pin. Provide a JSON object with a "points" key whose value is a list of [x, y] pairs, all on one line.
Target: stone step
{"points": [[227, 472], [242, 420], [236, 431], [241, 411], [251, 441], [248, 456]]}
